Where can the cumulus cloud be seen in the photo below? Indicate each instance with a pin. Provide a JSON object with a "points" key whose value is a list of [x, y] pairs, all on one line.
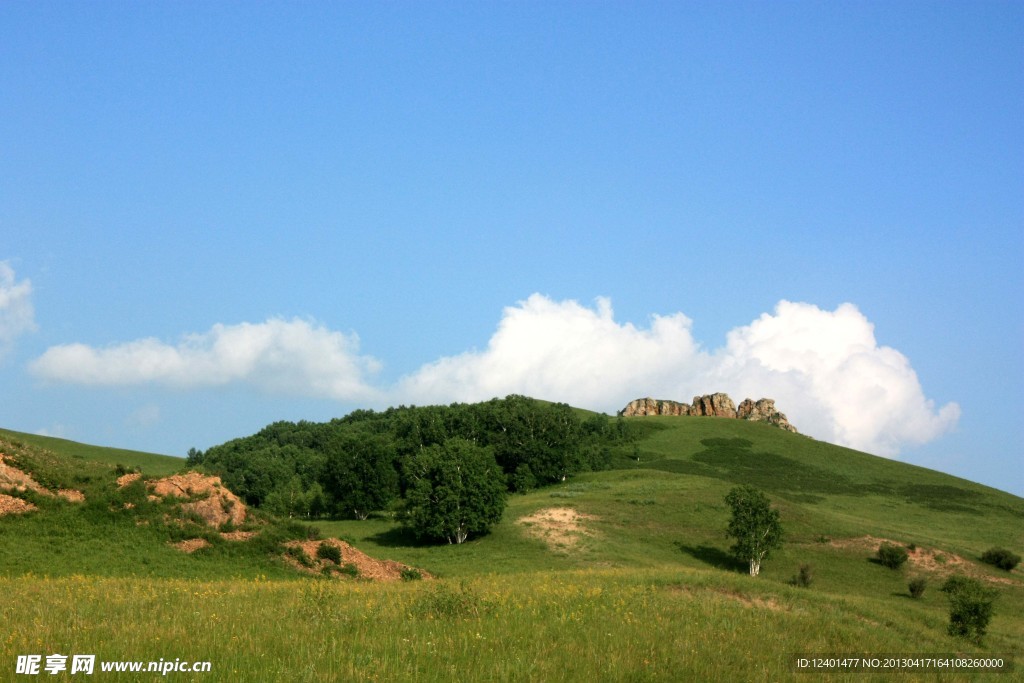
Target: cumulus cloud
{"points": [[562, 351], [16, 314], [824, 368], [287, 356], [827, 371]]}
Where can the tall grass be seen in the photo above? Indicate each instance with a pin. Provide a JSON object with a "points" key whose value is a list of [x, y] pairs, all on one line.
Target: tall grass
{"points": [[588, 625]]}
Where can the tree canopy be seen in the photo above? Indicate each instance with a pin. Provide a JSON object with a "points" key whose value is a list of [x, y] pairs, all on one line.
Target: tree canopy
{"points": [[455, 489], [361, 463]]}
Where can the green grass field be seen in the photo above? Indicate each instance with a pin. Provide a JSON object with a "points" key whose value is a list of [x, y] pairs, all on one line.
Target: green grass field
{"points": [[644, 589]]}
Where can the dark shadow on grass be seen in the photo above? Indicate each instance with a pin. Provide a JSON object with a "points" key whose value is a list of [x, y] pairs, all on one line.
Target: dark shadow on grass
{"points": [[716, 557], [399, 537], [879, 563]]}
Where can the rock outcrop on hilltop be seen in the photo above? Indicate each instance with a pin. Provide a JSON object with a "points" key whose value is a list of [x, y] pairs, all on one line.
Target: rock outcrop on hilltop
{"points": [[712, 405], [650, 406], [763, 410]]}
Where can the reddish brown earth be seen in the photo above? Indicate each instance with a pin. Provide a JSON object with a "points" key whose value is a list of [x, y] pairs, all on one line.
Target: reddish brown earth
{"points": [[369, 567], [13, 479], [206, 496], [9, 505]]}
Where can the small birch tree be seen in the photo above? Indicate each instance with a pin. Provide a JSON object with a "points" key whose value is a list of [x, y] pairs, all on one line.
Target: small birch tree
{"points": [[754, 526]]}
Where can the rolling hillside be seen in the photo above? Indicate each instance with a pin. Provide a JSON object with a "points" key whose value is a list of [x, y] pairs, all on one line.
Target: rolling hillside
{"points": [[151, 463], [626, 570]]}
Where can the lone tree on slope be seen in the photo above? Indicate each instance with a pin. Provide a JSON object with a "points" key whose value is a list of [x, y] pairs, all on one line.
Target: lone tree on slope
{"points": [[754, 526]]}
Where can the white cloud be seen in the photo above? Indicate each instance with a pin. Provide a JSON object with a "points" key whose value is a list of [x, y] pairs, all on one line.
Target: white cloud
{"points": [[824, 368], [827, 372], [562, 351], [16, 314], [287, 356]]}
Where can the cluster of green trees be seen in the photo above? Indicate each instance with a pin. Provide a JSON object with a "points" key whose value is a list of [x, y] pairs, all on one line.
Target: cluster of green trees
{"points": [[432, 458]]}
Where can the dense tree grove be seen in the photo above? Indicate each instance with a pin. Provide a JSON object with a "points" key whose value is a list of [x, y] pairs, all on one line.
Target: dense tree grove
{"points": [[367, 460]]}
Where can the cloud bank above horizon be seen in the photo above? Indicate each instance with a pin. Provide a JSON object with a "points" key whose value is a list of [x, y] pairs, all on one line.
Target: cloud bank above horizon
{"points": [[825, 369]]}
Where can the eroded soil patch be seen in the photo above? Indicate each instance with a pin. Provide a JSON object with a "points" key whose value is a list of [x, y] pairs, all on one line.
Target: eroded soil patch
{"points": [[561, 528], [9, 505], [191, 545], [13, 479], [126, 479], [206, 496], [369, 567]]}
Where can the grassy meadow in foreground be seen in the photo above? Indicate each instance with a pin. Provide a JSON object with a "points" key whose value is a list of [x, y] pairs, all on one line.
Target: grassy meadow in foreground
{"points": [[600, 625]]}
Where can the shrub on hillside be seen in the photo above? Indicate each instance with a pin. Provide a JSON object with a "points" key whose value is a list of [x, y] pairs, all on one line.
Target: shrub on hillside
{"points": [[331, 553], [954, 583], [1001, 557], [917, 586], [804, 577], [970, 607], [892, 556], [411, 574]]}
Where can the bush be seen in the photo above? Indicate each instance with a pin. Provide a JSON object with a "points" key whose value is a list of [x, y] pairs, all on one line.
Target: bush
{"points": [[349, 569], [410, 574], [954, 583], [804, 577], [970, 607], [892, 556], [1001, 557], [331, 553], [917, 586]]}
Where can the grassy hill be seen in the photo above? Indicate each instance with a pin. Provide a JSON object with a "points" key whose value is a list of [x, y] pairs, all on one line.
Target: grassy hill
{"points": [[150, 463], [615, 575]]}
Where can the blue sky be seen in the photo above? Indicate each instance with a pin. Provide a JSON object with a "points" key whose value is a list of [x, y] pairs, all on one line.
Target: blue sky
{"points": [[218, 215]]}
